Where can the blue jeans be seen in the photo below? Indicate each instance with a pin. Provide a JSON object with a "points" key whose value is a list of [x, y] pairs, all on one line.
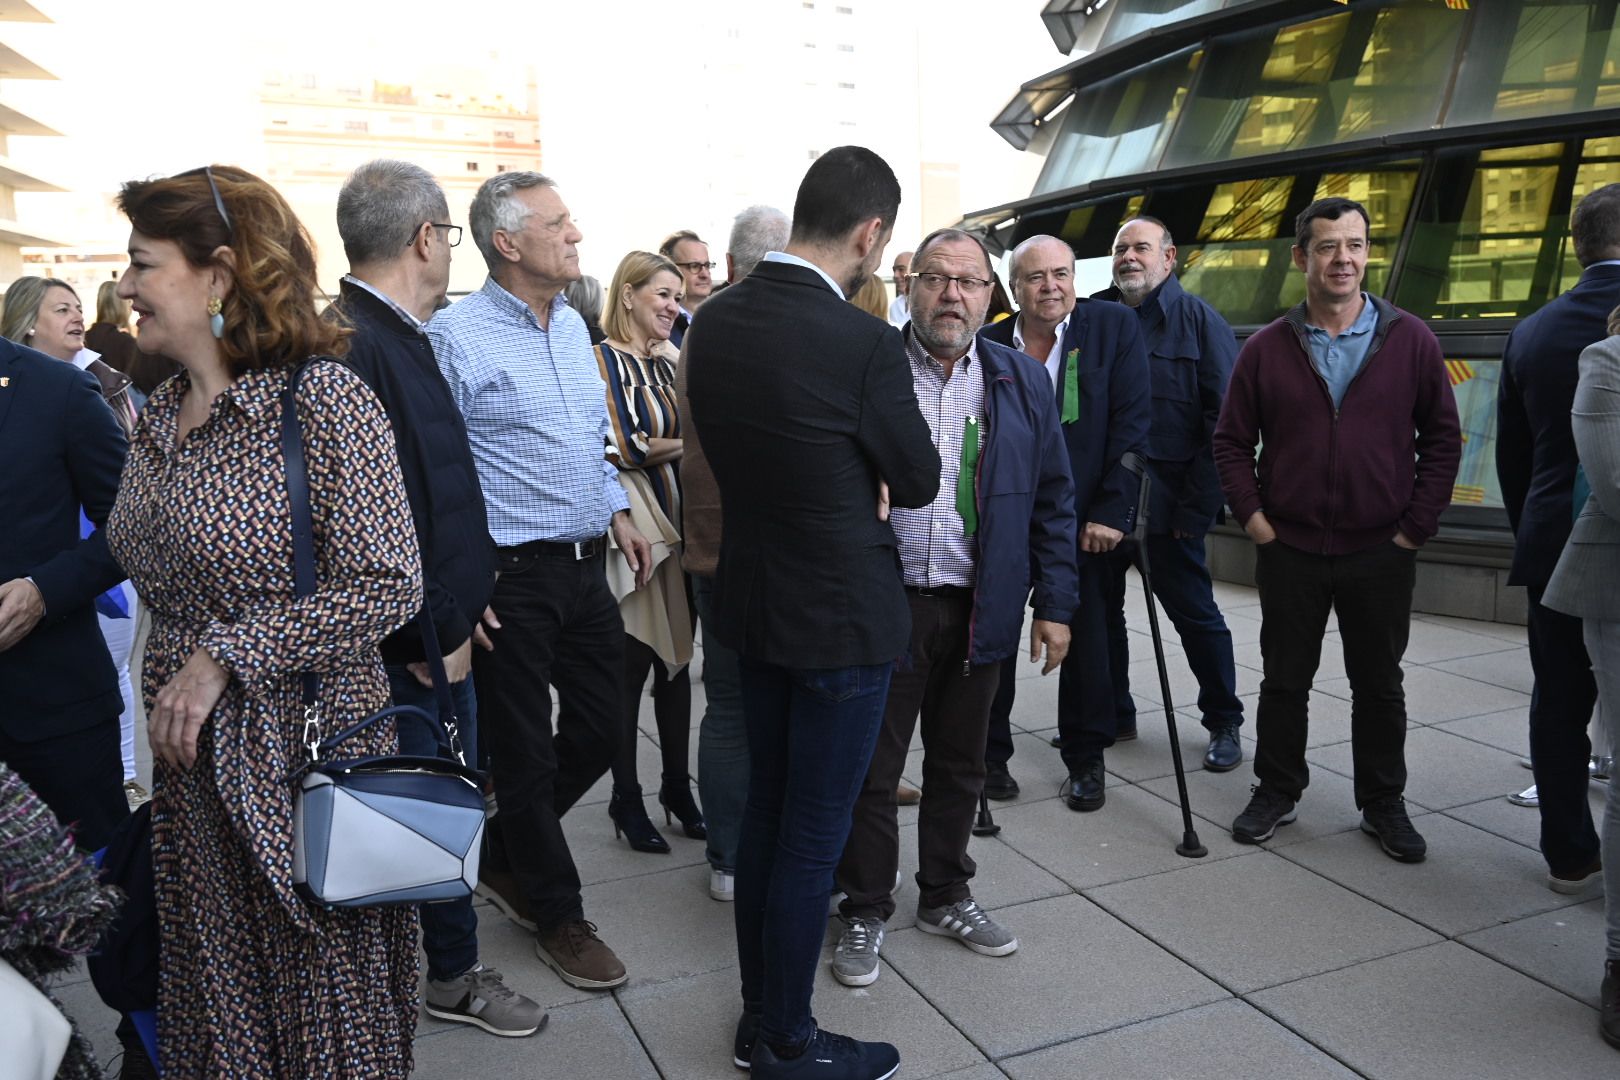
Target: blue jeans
{"points": [[449, 929], [722, 738], [810, 740]]}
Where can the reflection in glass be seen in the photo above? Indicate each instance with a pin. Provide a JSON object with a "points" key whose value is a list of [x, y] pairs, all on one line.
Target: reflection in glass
{"points": [[1474, 383], [1239, 259], [1141, 16], [1562, 56]]}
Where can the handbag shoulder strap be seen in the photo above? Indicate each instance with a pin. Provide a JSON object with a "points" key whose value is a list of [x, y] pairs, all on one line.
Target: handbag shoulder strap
{"points": [[303, 534]]}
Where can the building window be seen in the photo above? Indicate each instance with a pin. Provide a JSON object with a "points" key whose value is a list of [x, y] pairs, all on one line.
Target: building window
{"points": [[356, 125], [472, 166], [846, 86], [500, 168], [505, 133], [846, 11], [846, 48], [813, 154]]}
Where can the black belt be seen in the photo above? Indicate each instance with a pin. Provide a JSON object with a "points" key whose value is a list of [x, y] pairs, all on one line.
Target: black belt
{"points": [[579, 551], [942, 592]]}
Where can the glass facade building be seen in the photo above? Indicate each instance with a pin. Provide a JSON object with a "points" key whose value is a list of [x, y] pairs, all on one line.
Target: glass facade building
{"points": [[1469, 131]]}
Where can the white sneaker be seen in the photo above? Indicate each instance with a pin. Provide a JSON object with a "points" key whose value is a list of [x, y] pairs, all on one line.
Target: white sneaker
{"points": [[1527, 797], [723, 885]]}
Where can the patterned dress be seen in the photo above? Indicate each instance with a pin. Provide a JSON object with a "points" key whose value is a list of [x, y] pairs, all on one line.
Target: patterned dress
{"points": [[254, 981]]}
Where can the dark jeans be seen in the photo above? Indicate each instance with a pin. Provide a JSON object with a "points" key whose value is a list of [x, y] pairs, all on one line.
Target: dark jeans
{"points": [[449, 929], [80, 776], [722, 738], [1371, 591], [672, 711], [955, 713], [1090, 711], [559, 624], [1561, 703], [810, 739], [1182, 585]]}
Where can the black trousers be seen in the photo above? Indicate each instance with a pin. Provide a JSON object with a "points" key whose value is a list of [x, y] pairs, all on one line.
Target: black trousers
{"points": [[955, 708], [1371, 591], [79, 775], [559, 625], [1561, 703]]}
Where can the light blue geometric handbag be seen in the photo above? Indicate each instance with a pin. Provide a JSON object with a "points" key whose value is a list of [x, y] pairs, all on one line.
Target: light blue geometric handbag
{"points": [[376, 831]]}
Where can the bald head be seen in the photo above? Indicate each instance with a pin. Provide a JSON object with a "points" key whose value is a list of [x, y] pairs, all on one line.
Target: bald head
{"points": [[902, 268], [1043, 281]]}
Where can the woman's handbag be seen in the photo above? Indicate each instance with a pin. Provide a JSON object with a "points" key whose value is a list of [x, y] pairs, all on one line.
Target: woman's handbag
{"points": [[375, 831], [37, 1034]]}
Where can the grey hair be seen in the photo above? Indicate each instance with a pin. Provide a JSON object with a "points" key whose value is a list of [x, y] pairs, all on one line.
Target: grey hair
{"points": [[22, 301], [495, 210], [755, 231], [585, 296], [382, 205], [1022, 249]]}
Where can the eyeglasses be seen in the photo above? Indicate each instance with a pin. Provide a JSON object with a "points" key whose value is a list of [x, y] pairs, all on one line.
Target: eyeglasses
{"points": [[695, 267], [219, 203], [967, 286], [452, 233]]}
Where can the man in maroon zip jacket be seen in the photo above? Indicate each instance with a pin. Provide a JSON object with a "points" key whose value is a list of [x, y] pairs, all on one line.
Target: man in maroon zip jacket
{"points": [[1348, 397]]}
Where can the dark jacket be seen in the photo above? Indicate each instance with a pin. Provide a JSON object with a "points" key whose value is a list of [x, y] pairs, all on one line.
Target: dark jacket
{"points": [[1025, 496], [803, 402], [61, 449], [1335, 481], [148, 372], [1115, 407], [1535, 451], [458, 556], [1191, 350]]}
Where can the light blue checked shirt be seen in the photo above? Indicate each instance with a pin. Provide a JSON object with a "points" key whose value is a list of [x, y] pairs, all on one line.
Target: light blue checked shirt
{"points": [[536, 413]]}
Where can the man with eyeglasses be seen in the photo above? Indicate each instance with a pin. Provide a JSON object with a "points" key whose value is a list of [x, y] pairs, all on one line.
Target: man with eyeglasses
{"points": [[520, 368], [1190, 351], [1003, 520], [686, 250], [1348, 399], [1097, 365], [900, 306]]}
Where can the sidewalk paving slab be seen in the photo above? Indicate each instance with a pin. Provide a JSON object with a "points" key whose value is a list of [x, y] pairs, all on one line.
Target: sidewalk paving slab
{"points": [[1443, 770], [1562, 948], [587, 1039], [1328, 807], [1436, 696]]}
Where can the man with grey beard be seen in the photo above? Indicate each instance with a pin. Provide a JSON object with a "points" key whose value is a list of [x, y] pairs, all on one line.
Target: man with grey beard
{"points": [[1005, 506], [1191, 350]]}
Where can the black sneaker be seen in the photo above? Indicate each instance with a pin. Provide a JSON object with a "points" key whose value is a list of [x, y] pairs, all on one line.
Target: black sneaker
{"points": [[998, 782], [1267, 809], [742, 1046], [828, 1057], [1386, 819], [1609, 1011]]}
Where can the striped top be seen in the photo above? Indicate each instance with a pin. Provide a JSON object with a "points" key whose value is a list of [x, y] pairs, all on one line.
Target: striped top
{"points": [[535, 420], [641, 407]]}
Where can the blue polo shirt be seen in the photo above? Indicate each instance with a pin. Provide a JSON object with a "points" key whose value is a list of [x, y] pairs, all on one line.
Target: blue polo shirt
{"points": [[1339, 358]]}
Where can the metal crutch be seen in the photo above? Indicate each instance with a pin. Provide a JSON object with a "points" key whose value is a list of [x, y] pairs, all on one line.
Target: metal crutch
{"points": [[1136, 466]]}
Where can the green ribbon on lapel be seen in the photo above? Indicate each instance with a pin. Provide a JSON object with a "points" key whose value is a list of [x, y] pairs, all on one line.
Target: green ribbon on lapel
{"points": [[966, 504], [1071, 387]]}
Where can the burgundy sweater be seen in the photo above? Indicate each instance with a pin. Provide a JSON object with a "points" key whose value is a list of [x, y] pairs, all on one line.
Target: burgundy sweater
{"points": [[1338, 481]]}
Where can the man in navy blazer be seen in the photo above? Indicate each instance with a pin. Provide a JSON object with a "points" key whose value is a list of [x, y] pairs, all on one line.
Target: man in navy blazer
{"points": [[1094, 352], [1535, 461], [59, 698]]}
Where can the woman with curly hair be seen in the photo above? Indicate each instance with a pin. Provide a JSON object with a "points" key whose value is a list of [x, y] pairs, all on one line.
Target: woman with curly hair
{"points": [[253, 980]]}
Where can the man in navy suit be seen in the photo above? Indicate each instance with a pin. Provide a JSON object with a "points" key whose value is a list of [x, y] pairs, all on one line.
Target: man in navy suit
{"points": [[1536, 460], [1094, 352], [59, 698]]}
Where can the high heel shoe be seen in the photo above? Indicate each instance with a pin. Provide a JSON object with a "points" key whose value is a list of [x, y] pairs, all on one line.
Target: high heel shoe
{"points": [[676, 799], [630, 819]]}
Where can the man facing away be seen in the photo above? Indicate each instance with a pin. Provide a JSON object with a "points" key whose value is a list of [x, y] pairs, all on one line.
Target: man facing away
{"points": [[1003, 520], [691, 254], [518, 362], [1098, 368], [1190, 352], [395, 225], [900, 306], [1536, 461], [1348, 398], [804, 406], [722, 736]]}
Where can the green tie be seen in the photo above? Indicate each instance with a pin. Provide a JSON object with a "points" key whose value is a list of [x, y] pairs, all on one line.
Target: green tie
{"points": [[1071, 387], [966, 504]]}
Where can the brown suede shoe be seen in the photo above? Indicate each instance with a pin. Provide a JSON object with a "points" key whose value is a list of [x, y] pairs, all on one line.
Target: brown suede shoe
{"points": [[501, 889], [578, 956], [1609, 1010], [906, 795]]}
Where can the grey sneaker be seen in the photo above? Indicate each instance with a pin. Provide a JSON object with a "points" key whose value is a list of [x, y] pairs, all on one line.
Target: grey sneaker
{"points": [[970, 924], [855, 960], [482, 999]]}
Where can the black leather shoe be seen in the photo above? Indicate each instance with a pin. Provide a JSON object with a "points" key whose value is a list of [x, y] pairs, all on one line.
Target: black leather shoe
{"points": [[1057, 742], [1609, 1012], [998, 782], [630, 818], [742, 1046], [1225, 753], [1084, 789]]}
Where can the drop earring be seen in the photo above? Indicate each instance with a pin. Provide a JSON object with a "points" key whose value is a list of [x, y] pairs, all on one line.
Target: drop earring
{"points": [[216, 320]]}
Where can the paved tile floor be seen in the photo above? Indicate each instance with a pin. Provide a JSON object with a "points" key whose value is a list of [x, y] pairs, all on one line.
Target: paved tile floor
{"points": [[1315, 956]]}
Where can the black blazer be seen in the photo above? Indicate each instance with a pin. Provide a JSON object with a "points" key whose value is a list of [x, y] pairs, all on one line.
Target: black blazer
{"points": [[802, 403], [1535, 450], [1116, 407], [60, 448], [441, 482]]}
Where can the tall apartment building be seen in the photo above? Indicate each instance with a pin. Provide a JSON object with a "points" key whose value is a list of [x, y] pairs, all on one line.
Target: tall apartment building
{"points": [[14, 236]]}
